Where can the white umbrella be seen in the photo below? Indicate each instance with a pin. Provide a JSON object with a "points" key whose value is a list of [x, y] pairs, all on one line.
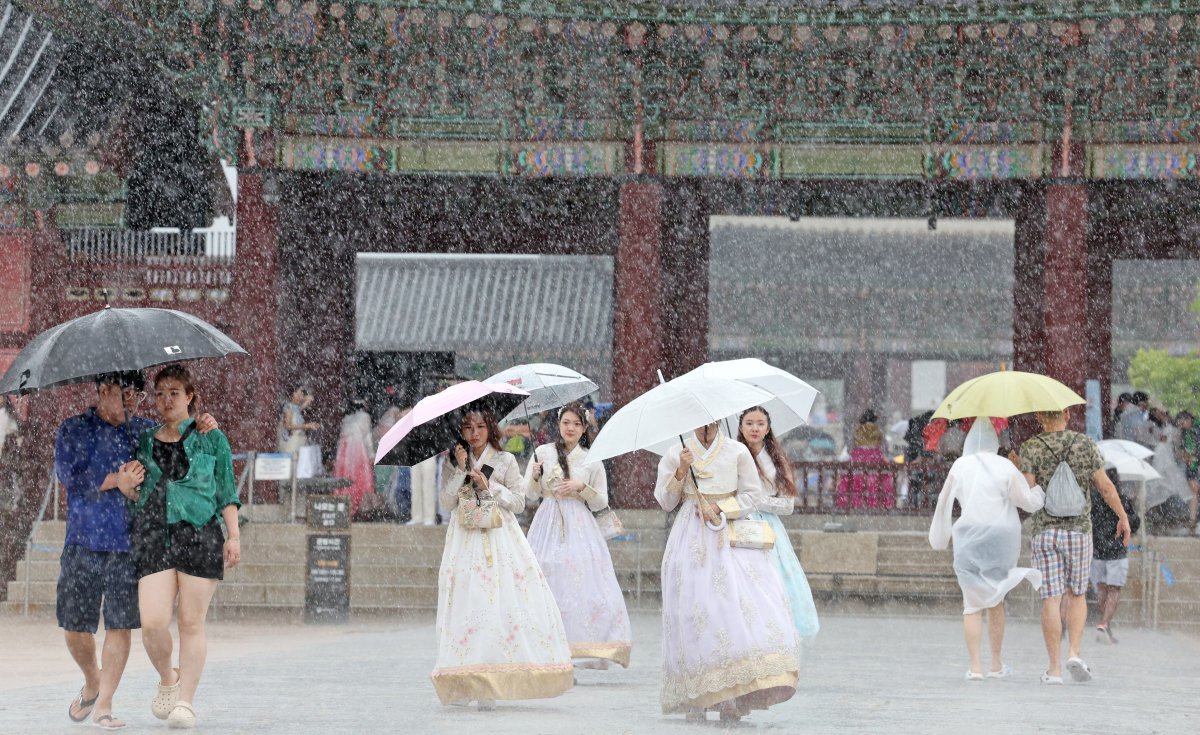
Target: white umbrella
{"points": [[549, 386], [1129, 468], [1126, 447], [791, 398], [664, 413]]}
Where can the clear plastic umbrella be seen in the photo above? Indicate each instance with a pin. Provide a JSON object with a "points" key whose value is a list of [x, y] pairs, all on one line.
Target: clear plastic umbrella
{"points": [[549, 386]]}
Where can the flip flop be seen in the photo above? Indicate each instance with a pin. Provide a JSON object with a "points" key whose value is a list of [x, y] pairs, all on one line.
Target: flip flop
{"points": [[108, 722], [85, 706]]}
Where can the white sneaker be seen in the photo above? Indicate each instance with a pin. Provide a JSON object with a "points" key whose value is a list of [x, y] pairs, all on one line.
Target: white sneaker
{"points": [[1003, 673]]}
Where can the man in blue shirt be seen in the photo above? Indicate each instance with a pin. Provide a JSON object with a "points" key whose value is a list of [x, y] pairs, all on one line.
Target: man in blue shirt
{"points": [[92, 458]]}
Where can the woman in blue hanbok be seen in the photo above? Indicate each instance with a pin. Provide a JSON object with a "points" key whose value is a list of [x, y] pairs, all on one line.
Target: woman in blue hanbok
{"points": [[754, 430]]}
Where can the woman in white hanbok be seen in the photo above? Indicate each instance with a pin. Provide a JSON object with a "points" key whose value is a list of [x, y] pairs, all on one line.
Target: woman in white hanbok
{"points": [[728, 640], [570, 547], [499, 632], [754, 430], [987, 538]]}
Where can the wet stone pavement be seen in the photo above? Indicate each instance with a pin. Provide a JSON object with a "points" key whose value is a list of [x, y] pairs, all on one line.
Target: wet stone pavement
{"points": [[861, 675]]}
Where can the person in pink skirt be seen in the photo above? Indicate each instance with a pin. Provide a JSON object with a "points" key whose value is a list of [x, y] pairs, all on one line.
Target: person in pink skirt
{"points": [[728, 640], [570, 547]]}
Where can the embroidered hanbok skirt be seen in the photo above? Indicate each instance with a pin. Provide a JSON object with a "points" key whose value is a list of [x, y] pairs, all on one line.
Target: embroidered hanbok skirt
{"points": [[727, 629], [575, 559], [499, 632], [791, 574]]}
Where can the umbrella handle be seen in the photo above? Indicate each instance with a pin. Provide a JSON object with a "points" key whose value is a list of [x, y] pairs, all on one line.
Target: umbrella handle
{"points": [[719, 526]]}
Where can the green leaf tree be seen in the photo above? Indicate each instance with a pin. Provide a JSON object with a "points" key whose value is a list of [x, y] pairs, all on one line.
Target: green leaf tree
{"points": [[1172, 380]]}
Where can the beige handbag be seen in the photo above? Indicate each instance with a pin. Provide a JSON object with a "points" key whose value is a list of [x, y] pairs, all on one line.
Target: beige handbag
{"points": [[474, 513], [750, 534], [610, 525], [731, 507]]}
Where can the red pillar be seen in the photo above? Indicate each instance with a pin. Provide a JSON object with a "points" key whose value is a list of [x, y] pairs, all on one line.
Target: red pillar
{"points": [[637, 327], [1100, 324], [685, 258], [1065, 284], [256, 295]]}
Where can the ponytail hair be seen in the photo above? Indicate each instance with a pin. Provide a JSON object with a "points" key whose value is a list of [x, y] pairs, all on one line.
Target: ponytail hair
{"points": [[783, 468]]}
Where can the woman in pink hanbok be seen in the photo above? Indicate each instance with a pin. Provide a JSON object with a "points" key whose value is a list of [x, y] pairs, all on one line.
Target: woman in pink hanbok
{"points": [[499, 632], [355, 457], [570, 547], [728, 640]]}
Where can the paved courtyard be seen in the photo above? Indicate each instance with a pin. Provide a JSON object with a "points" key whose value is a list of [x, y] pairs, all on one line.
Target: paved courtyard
{"points": [[862, 675]]}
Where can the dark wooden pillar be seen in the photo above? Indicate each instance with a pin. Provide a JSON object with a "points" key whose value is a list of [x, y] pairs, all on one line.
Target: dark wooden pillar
{"points": [[685, 258], [1065, 284], [256, 294], [637, 325], [1028, 281]]}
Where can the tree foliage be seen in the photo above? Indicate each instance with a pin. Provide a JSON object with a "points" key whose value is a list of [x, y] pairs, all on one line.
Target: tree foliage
{"points": [[1170, 380]]}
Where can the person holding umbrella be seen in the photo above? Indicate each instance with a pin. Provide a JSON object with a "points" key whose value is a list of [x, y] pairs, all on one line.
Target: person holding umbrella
{"points": [[187, 491], [570, 547], [92, 460], [775, 471], [728, 639], [500, 633], [987, 539]]}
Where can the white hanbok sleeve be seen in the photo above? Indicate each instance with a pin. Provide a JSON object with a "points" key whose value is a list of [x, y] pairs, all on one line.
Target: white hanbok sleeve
{"points": [[506, 484], [780, 505], [595, 486], [533, 488], [750, 493], [939, 530], [452, 482], [668, 491], [1023, 496]]}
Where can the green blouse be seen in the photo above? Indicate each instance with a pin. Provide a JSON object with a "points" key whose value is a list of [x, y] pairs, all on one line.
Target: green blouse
{"points": [[207, 488]]}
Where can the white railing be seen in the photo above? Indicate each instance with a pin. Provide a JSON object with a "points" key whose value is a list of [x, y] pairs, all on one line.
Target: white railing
{"points": [[89, 243]]}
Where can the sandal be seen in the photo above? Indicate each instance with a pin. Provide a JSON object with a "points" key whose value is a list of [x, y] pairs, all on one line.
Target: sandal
{"points": [[182, 717], [166, 698], [108, 722], [85, 706], [1078, 669]]}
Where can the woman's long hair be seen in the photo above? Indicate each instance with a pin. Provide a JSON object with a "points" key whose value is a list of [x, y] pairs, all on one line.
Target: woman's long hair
{"points": [[585, 439], [783, 468], [493, 429]]}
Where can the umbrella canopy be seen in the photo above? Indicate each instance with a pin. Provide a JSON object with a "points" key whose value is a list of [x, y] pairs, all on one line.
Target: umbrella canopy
{"points": [[1006, 393], [791, 398], [550, 386], [658, 417], [112, 340], [1124, 445], [432, 425]]}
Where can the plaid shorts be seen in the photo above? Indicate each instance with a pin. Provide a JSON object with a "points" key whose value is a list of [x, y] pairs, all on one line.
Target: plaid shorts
{"points": [[1064, 559]]}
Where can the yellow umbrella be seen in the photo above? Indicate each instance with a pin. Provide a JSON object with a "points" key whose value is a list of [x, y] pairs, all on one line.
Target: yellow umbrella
{"points": [[1006, 393]]}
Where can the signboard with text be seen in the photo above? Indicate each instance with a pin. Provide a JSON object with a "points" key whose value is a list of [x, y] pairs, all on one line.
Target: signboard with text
{"points": [[329, 512], [327, 578]]}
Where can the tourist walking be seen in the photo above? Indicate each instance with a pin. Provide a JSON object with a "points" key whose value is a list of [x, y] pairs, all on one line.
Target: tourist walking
{"points": [[186, 495], [499, 631], [1110, 557], [1062, 533], [779, 486], [987, 539], [570, 547], [728, 639]]}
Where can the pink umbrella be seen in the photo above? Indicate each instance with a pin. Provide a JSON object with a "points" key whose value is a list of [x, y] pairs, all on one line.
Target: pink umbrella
{"points": [[432, 426]]}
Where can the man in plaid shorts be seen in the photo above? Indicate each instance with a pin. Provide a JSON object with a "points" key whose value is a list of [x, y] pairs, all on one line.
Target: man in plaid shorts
{"points": [[1062, 546]]}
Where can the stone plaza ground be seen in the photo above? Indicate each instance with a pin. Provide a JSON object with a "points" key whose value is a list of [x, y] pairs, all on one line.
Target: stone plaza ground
{"points": [[863, 674]]}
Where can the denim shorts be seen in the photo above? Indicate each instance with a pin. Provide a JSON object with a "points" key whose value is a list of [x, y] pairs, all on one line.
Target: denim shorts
{"points": [[91, 581]]}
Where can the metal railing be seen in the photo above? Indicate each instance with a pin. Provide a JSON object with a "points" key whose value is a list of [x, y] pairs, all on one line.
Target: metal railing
{"points": [[868, 488]]}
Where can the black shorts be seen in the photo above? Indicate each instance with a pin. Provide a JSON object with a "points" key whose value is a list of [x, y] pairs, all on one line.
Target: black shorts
{"points": [[197, 552], [90, 580]]}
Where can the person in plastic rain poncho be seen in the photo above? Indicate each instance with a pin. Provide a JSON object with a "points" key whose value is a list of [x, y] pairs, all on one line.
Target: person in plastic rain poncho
{"points": [[987, 538]]}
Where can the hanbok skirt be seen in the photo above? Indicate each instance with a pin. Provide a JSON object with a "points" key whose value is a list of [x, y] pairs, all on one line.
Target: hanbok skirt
{"points": [[985, 562], [499, 632], [727, 630], [575, 559], [791, 574]]}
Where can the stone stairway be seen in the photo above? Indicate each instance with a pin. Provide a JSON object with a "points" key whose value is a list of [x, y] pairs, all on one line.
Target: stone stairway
{"points": [[393, 571]]}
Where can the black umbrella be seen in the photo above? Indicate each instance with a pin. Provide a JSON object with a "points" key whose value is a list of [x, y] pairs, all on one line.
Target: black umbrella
{"points": [[109, 341]]}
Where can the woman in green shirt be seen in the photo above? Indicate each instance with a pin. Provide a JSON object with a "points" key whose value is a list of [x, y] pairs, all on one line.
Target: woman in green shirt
{"points": [[178, 544]]}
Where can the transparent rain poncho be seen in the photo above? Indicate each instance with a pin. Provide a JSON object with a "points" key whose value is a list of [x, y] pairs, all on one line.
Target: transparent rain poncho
{"points": [[987, 535]]}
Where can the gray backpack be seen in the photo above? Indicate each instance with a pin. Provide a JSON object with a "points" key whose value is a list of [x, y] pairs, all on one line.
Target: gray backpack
{"points": [[1064, 497]]}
